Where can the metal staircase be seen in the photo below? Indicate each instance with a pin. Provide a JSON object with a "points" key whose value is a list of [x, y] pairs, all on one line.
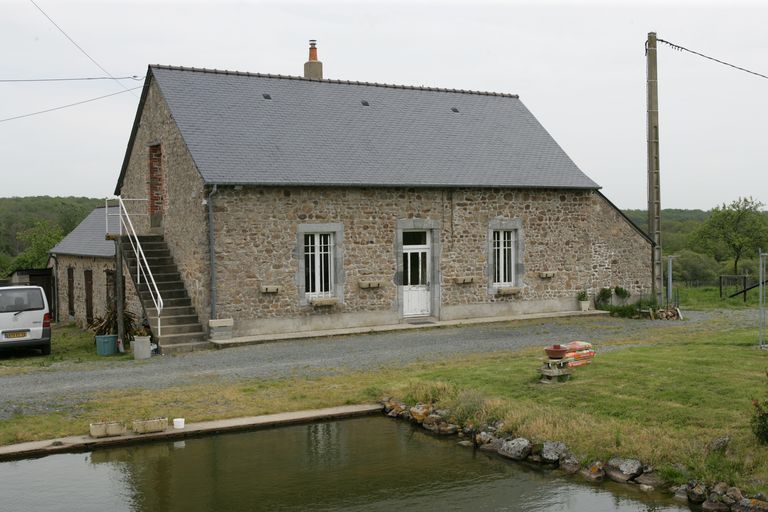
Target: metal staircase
{"points": [[176, 328]]}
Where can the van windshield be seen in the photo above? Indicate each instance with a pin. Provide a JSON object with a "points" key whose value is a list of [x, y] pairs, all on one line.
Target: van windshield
{"points": [[20, 299]]}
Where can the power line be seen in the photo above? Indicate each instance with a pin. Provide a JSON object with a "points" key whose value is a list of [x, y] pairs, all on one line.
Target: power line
{"points": [[132, 77], [70, 105], [78, 46], [683, 48]]}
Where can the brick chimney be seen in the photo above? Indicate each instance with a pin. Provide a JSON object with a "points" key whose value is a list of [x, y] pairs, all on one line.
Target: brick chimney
{"points": [[313, 68]]}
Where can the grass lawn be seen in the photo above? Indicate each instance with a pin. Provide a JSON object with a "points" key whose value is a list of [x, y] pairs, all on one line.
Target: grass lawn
{"points": [[708, 297], [660, 398], [69, 343]]}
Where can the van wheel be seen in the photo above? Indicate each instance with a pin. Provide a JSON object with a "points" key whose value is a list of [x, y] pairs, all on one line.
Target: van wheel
{"points": [[45, 350]]}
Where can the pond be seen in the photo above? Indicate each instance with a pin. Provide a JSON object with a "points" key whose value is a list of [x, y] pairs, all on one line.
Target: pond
{"points": [[370, 464]]}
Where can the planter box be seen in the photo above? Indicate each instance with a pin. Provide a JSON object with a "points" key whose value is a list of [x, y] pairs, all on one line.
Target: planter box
{"points": [[107, 429], [149, 426], [584, 305]]}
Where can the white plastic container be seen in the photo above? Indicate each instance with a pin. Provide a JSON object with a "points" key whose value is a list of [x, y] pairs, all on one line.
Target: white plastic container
{"points": [[141, 347], [178, 422]]}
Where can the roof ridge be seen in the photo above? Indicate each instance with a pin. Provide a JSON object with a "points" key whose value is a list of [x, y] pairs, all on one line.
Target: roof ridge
{"points": [[330, 81]]}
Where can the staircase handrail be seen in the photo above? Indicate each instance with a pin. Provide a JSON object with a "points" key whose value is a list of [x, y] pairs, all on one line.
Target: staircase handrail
{"points": [[142, 266]]}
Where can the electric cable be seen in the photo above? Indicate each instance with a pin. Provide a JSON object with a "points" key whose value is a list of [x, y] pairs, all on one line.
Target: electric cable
{"points": [[132, 77], [69, 105], [683, 48], [78, 46]]}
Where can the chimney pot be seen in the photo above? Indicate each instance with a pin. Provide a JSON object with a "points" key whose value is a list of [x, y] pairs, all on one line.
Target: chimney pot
{"points": [[313, 68]]}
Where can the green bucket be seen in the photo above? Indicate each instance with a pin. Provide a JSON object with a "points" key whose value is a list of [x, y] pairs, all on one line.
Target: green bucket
{"points": [[106, 345]]}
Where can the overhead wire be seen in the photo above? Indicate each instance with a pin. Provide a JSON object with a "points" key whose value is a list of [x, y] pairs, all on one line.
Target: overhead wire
{"points": [[74, 79], [78, 46], [683, 48], [69, 105]]}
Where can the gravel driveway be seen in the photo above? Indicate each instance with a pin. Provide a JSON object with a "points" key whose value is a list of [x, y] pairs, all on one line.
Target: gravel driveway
{"points": [[66, 384]]}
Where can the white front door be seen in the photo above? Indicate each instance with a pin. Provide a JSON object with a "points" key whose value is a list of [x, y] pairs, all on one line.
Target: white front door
{"points": [[417, 296]]}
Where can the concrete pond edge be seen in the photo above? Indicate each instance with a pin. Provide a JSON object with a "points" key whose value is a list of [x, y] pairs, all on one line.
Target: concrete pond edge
{"points": [[75, 444], [555, 454]]}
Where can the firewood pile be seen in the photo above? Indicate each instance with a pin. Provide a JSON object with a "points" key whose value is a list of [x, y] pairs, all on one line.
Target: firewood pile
{"points": [[667, 313]]}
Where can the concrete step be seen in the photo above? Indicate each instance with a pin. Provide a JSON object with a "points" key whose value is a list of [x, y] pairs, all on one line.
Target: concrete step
{"points": [[153, 261], [178, 293], [171, 311], [173, 320], [167, 329], [156, 269], [163, 286], [182, 302], [180, 348]]}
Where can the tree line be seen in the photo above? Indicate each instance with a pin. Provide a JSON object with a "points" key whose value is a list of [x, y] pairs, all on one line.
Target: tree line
{"points": [[31, 226], [707, 244]]}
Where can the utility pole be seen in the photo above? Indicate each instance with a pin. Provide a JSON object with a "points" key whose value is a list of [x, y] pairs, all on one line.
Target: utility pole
{"points": [[654, 189]]}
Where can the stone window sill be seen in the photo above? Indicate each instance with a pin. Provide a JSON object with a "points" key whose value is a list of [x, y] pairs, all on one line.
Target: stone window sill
{"points": [[324, 301], [508, 290]]}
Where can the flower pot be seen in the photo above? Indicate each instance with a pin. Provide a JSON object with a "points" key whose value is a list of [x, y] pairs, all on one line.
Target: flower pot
{"points": [[106, 344], [151, 425], [142, 348], [106, 429], [584, 304], [556, 351]]}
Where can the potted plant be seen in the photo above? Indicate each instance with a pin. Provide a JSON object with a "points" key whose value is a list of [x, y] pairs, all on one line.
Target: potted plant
{"points": [[583, 298], [105, 329]]}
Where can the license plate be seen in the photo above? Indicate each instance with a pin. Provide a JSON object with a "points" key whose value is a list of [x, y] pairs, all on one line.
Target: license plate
{"points": [[16, 334]]}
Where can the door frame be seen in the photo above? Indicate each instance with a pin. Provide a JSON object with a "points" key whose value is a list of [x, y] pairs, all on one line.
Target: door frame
{"points": [[432, 227]]}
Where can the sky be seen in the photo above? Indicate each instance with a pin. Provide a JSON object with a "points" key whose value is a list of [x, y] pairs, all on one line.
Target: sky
{"points": [[578, 66]]}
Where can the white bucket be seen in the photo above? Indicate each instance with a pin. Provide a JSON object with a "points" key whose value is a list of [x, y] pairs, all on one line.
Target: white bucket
{"points": [[178, 422]]}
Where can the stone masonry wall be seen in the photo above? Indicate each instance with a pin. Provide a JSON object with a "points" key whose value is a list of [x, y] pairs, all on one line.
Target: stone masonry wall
{"points": [[577, 236], [98, 266], [184, 223]]}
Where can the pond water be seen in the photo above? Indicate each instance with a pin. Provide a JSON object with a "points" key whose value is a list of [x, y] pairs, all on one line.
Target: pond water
{"points": [[369, 464]]}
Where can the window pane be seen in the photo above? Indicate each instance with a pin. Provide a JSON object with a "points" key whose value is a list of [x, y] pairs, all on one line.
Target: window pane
{"points": [[309, 263], [414, 238], [504, 257]]}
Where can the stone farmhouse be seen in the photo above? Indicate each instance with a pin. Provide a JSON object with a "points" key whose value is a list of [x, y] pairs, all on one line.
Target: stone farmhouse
{"points": [[287, 204]]}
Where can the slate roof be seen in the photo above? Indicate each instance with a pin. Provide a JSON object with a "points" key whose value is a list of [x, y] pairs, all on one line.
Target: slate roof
{"points": [[318, 132], [87, 239]]}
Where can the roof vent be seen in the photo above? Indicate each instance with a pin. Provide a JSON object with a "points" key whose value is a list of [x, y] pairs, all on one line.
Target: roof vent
{"points": [[454, 109], [266, 96], [365, 103]]}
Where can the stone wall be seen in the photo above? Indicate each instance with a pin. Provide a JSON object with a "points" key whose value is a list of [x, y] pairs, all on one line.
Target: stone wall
{"points": [[573, 240], [184, 216], [98, 267]]}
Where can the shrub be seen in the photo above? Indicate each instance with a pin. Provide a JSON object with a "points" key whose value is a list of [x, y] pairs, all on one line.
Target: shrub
{"points": [[603, 298], [582, 296], [621, 293], [759, 420]]}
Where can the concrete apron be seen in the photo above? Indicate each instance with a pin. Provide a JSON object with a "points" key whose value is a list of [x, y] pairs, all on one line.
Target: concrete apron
{"points": [[265, 338], [86, 443]]}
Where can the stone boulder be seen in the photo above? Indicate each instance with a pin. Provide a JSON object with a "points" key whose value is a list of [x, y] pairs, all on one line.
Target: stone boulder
{"points": [[651, 479], [594, 472], [419, 412], [515, 449], [570, 464], [493, 446], [697, 492], [715, 506], [623, 470], [750, 505], [552, 452], [719, 444]]}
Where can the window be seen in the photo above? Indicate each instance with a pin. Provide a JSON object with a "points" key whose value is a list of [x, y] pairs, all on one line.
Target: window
{"points": [[504, 257], [506, 247], [318, 265]]}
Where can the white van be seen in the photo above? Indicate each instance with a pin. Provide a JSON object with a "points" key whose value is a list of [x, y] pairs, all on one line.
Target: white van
{"points": [[25, 320]]}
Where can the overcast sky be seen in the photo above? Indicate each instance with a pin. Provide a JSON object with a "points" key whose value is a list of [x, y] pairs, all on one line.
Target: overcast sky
{"points": [[578, 66]]}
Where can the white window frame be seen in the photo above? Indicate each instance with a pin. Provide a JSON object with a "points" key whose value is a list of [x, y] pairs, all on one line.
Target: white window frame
{"points": [[319, 272], [510, 274], [332, 250], [504, 257]]}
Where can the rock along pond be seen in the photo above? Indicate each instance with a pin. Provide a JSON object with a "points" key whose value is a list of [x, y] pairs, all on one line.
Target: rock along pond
{"points": [[368, 464]]}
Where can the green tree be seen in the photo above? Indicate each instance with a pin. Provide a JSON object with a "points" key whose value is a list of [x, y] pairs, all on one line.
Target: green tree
{"points": [[38, 240], [739, 226], [692, 267]]}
